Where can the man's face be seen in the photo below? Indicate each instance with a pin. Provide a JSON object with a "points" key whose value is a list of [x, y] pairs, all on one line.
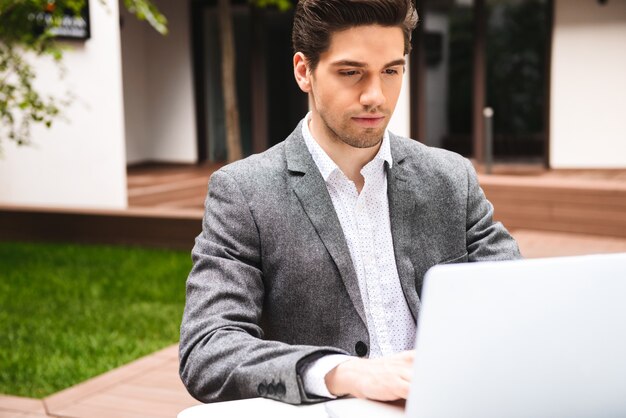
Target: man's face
{"points": [[355, 87]]}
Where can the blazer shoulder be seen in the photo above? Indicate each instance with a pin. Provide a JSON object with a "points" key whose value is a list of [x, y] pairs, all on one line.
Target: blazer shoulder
{"points": [[428, 158], [259, 168]]}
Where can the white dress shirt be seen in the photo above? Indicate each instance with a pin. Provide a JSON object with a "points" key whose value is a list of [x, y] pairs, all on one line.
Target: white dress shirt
{"points": [[364, 219]]}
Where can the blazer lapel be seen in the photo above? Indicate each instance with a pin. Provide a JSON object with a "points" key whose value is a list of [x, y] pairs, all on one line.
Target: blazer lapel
{"points": [[308, 184], [402, 190]]}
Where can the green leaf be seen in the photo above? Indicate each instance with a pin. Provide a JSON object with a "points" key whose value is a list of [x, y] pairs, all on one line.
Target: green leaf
{"points": [[146, 10], [21, 103], [282, 5]]}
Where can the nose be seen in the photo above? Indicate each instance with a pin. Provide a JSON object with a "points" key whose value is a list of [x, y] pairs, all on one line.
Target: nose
{"points": [[372, 95]]}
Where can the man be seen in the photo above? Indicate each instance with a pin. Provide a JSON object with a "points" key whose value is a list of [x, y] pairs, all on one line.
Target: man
{"points": [[307, 274]]}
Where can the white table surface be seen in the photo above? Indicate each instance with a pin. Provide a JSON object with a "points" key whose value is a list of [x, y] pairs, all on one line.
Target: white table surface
{"points": [[254, 408], [267, 408]]}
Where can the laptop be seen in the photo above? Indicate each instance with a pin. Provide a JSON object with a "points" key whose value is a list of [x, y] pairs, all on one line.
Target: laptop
{"points": [[526, 338]]}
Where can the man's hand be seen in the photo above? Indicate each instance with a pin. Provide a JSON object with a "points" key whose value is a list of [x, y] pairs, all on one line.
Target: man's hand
{"points": [[381, 379]]}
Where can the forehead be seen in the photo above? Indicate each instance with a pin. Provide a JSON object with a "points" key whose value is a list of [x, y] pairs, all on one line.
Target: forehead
{"points": [[369, 44]]}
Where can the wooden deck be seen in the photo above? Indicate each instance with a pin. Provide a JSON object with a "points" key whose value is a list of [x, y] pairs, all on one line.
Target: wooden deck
{"points": [[554, 213], [578, 201], [169, 186], [146, 388], [166, 207]]}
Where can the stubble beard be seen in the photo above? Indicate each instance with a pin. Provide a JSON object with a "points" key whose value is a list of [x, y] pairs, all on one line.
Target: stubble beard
{"points": [[367, 138]]}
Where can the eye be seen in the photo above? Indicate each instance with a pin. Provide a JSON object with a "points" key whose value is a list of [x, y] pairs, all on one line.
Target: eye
{"points": [[391, 71], [348, 73]]}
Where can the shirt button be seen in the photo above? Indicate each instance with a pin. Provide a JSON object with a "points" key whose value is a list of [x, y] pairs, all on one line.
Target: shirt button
{"points": [[361, 349]]}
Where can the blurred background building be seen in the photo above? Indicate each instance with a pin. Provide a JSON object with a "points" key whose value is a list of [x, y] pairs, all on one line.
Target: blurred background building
{"points": [[552, 70]]}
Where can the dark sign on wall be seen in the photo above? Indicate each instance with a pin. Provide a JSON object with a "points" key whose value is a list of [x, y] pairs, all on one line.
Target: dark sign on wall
{"points": [[72, 26]]}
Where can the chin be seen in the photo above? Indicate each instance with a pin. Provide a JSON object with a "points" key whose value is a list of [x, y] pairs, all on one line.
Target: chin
{"points": [[363, 139]]}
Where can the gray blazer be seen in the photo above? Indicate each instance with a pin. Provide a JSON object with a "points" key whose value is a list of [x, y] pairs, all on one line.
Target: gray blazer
{"points": [[273, 284]]}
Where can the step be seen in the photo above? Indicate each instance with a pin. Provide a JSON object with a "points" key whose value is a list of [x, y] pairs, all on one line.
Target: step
{"points": [[557, 204]]}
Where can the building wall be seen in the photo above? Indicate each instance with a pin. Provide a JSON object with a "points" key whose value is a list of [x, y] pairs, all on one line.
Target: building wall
{"points": [[400, 123], [158, 88], [588, 127], [79, 163], [135, 82]]}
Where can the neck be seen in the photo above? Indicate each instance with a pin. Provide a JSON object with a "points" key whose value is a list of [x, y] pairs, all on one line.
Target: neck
{"points": [[349, 159]]}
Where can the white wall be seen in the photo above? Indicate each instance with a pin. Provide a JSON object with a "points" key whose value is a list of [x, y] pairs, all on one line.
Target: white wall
{"points": [[158, 88], [400, 123], [588, 109], [134, 72], [80, 163]]}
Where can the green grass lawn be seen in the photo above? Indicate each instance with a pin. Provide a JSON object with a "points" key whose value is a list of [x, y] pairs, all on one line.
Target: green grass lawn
{"points": [[71, 312]]}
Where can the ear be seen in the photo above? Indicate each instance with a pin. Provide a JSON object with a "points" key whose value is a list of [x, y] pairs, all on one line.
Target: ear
{"points": [[301, 72]]}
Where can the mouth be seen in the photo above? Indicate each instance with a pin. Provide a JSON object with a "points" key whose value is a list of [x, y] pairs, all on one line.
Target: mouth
{"points": [[370, 121]]}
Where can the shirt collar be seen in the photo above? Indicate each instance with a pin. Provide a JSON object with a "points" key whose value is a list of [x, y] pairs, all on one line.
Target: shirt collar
{"points": [[325, 164]]}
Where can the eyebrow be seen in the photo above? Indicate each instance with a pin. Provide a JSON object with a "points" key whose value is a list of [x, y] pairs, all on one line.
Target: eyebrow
{"points": [[349, 63]]}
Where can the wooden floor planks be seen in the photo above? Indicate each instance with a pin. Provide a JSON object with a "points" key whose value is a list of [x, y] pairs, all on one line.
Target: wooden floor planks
{"points": [[148, 387], [19, 407], [170, 186]]}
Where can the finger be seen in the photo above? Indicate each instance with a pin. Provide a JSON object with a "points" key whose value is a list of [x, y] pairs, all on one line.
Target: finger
{"points": [[400, 370], [406, 374], [385, 394], [402, 389]]}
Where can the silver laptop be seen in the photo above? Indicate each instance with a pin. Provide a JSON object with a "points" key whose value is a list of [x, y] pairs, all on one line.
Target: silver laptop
{"points": [[530, 338]]}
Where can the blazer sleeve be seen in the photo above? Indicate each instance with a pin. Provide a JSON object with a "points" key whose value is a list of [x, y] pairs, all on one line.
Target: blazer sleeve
{"points": [[485, 239], [223, 355]]}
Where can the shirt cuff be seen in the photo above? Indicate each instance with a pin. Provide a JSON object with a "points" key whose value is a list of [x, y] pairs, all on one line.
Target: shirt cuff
{"points": [[314, 374]]}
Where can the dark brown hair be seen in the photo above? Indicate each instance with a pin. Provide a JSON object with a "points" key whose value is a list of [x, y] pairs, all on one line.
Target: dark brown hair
{"points": [[316, 20]]}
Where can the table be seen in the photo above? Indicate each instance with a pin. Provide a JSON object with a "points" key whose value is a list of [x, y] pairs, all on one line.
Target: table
{"points": [[268, 408], [254, 408]]}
